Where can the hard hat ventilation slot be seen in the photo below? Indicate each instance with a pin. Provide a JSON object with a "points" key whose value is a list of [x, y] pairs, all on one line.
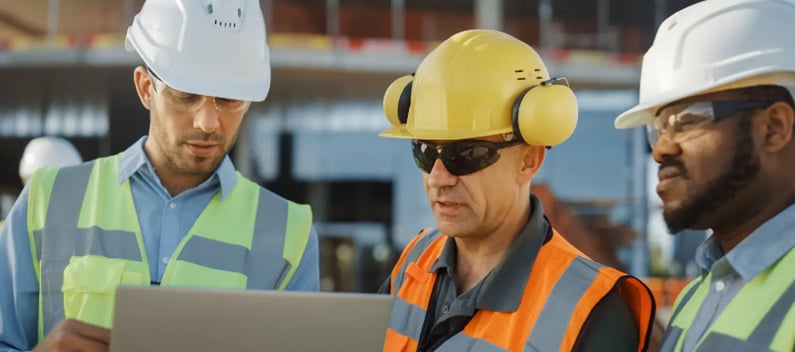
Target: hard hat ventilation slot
{"points": [[521, 76], [225, 24], [225, 14], [538, 70]]}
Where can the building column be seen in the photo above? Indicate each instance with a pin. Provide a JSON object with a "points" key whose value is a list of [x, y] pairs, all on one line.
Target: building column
{"points": [[488, 14]]}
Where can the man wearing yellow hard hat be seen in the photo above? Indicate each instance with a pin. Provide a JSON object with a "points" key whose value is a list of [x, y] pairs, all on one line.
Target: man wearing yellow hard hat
{"points": [[494, 275]]}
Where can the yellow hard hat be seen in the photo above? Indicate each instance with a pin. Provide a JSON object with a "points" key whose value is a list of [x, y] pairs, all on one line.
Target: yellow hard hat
{"points": [[480, 83]]}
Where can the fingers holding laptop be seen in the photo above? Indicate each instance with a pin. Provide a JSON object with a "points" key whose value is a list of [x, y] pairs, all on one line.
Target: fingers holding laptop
{"points": [[73, 335]]}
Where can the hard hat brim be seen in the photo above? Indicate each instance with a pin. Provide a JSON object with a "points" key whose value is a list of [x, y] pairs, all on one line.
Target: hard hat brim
{"points": [[432, 134], [643, 113]]}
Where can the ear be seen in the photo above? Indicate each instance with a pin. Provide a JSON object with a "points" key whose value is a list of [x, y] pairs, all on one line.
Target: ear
{"points": [[531, 160], [778, 126], [143, 86]]}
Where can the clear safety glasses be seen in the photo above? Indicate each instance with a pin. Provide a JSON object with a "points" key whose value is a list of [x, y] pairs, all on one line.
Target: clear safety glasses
{"points": [[680, 122], [187, 102]]}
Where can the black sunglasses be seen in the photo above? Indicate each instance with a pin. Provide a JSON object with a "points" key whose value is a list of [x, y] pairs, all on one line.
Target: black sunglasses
{"points": [[460, 158]]}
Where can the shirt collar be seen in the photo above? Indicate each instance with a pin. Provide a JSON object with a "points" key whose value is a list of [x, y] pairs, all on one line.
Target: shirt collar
{"points": [[134, 159], [502, 289], [757, 252]]}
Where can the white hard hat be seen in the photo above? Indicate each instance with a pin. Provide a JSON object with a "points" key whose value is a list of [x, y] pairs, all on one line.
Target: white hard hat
{"points": [[715, 45], [47, 151], [206, 47]]}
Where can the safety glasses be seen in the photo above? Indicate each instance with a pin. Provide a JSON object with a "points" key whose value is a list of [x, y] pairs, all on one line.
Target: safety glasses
{"points": [[459, 158], [187, 102], [680, 122]]}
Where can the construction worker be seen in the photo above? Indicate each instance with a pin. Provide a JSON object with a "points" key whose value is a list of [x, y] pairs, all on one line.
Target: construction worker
{"points": [[716, 94], [170, 210], [47, 151], [494, 275]]}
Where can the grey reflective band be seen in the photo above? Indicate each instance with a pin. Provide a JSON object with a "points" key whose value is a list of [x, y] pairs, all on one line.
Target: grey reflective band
{"points": [[463, 342], [769, 325], [671, 338], [673, 332], [686, 298], [553, 322], [419, 247], [762, 336], [263, 265], [407, 319], [264, 269], [725, 343], [214, 254], [88, 241], [58, 240]]}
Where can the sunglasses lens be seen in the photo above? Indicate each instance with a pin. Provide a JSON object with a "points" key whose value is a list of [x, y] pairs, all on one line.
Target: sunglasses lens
{"points": [[466, 158], [424, 155], [459, 158]]}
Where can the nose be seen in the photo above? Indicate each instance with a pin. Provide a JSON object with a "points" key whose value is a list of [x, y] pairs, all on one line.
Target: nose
{"points": [[206, 119], [664, 147], [440, 177]]}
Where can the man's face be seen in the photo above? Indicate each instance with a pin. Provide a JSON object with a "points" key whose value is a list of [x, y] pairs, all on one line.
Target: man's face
{"points": [[473, 204], [703, 167], [189, 133]]}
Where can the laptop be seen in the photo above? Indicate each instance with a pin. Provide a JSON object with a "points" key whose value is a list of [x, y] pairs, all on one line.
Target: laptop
{"points": [[158, 319]]}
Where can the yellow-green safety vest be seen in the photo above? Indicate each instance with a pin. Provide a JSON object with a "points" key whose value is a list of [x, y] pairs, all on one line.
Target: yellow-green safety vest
{"points": [[85, 239], [761, 317]]}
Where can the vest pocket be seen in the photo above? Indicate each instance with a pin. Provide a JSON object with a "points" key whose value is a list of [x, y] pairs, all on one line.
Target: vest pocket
{"points": [[89, 287]]}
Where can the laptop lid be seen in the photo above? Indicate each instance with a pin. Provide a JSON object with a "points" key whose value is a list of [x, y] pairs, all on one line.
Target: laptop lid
{"points": [[184, 319]]}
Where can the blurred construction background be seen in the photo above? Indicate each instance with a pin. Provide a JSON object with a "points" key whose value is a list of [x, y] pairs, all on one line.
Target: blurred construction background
{"points": [[64, 71]]}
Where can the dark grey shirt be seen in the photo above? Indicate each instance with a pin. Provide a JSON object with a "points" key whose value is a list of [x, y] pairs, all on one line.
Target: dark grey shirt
{"points": [[610, 327]]}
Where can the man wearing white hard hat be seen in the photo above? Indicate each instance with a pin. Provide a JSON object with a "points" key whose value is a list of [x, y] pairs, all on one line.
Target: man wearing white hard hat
{"points": [[716, 95], [171, 209], [47, 151]]}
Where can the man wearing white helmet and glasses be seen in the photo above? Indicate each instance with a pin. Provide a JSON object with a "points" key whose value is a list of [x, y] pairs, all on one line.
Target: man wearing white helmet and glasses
{"points": [[170, 210], [716, 95]]}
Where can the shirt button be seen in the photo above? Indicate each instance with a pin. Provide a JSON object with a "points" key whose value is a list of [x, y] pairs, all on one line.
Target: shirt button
{"points": [[719, 286], [165, 260], [172, 205], [445, 309]]}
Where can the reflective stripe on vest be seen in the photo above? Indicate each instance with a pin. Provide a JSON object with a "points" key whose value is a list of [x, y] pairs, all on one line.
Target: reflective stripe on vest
{"points": [[761, 317], [672, 333], [88, 241], [562, 290]]}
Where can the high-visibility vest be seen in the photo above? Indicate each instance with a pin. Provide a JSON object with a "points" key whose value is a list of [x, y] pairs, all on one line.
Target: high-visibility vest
{"points": [[562, 290], [761, 317], [85, 238]]}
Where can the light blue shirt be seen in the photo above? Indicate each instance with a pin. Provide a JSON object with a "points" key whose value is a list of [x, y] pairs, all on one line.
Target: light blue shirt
{"points": [[730, 272], [168, 220]]}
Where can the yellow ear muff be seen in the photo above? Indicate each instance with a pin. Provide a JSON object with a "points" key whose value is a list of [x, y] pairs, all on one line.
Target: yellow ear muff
{"points": [[397, 100], [545, 115]]}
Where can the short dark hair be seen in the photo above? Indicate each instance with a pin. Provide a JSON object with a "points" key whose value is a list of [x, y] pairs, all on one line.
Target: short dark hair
{"points": [[765, 93]]}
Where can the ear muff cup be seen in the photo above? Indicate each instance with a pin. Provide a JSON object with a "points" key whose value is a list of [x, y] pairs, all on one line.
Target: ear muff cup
{"points": [[545, 115], [397, 100]]}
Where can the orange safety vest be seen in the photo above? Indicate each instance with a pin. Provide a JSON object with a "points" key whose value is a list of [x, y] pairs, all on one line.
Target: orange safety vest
{"points": [[579, 284]]}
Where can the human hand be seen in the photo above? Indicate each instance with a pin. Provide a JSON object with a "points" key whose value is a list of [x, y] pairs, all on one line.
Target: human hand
{"points": [[74, 336]]}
